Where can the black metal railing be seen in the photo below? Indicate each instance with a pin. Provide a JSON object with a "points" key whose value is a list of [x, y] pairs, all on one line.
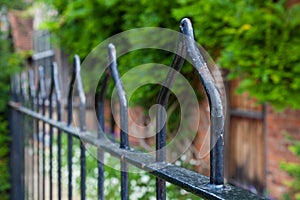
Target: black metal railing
{"points": [[35, 108]]}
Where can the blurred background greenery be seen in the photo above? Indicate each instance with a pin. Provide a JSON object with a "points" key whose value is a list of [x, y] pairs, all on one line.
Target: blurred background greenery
{"points": [[257, 40], [10, 62]]}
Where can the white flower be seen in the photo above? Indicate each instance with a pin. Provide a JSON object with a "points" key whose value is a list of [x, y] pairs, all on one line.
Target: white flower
{"points": [[145, 179]]}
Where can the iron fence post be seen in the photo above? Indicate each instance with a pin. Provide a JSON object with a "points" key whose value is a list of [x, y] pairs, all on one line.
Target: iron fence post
{"points": [[16, 161]]}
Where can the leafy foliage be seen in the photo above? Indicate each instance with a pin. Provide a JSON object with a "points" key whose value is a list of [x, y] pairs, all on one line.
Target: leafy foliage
{"points": [[9, 63], [258, 43], [293, 169], [257, 40], [14, 4]]}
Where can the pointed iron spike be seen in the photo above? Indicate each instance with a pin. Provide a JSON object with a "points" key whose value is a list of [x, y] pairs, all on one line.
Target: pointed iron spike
{"points": [[31, 83], [42, 82], [215, 104], [56, 81]]}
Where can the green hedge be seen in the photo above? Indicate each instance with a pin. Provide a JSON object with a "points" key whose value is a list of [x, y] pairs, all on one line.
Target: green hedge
{"points": [[293, 169], [257, 40], [4, 138], [9, 63]]}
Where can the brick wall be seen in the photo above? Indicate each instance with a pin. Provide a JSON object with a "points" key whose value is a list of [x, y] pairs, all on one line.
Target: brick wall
{"points": [[278, 126], [21, 30]]}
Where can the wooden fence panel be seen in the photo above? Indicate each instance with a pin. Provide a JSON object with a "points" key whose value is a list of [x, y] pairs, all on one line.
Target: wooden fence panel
{"points": [[246, 141]]}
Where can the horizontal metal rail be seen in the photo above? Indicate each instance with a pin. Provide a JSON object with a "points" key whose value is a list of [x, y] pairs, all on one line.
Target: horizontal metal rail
{"points": [[184, 178], [246, 113], [42, 55]]}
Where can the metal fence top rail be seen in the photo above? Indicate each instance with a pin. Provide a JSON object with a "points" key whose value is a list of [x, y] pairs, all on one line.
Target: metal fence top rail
{"points": [[212, 187], [188, 180]]}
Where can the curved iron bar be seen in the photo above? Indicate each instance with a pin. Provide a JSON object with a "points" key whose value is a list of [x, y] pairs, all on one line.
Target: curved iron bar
{"points": [[31, 86], [41, 84], [55, 82], [23, 87], [121, 96], [76, 76], [42, 88], [215, 104], [82, 98], [163, 98], [123, 117], [82, 124], [71, 88], [69, 121], [187, 45], [37, 96], [100, 99], [15, 86], [51, 131], [70, 116], [54, 88], [58, 110], [25, 102], [18, 86]]}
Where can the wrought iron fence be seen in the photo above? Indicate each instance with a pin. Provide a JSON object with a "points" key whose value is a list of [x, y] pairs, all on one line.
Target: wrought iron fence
{"points": [[37, 103]]}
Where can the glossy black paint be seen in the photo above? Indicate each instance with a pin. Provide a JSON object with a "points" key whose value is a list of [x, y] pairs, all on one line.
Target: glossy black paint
{"points": [[191, 181], [82, 107]]}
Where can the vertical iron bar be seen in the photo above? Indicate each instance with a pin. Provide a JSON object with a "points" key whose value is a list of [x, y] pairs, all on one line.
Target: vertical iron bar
{"points": [[82, 108], [23, 99], [16, 79], [123, 118], [161, 115], [38, 97], [76, 75], [43, 96], [101, 100], [16, 155], [50, 148], [82, 170], [69, 122], [215, 103], [21, 95], [58, 110], [31, 98], [112, 126], [17, 146], [24, 87], [59, 166], [70, 144], [13, 88], [100, 166], [51, 131], [38, 148]]}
